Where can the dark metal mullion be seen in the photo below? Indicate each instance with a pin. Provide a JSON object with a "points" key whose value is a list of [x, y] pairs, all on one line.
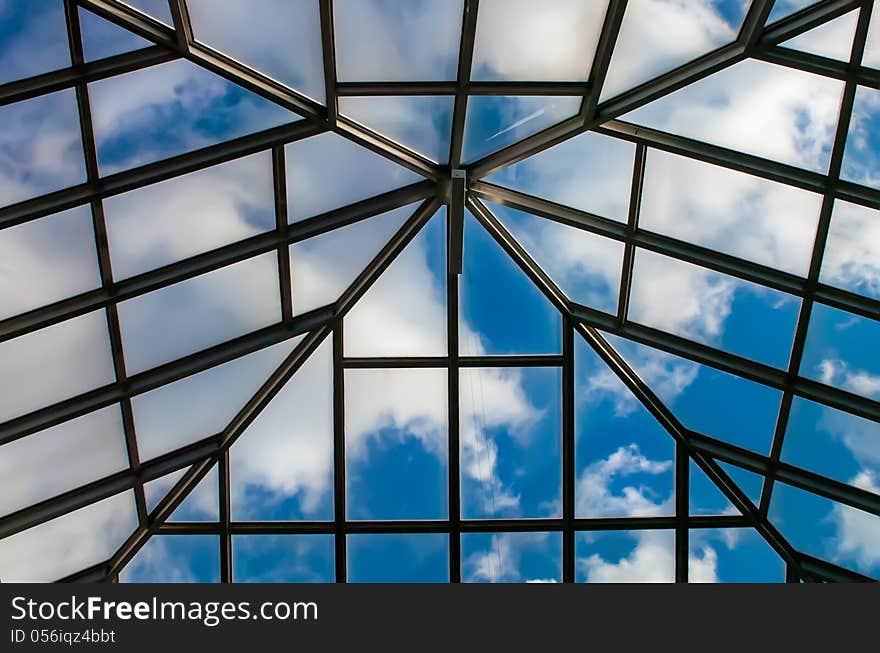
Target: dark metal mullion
{"points": [[226, 571], [182, 24], [465, 61], [339, 484], [602, 58], [822, 229], [569, 469], [632, 225], [102, 248], [753, 23], [453, 417], [328, 52], [279, 183], [682, 512]]}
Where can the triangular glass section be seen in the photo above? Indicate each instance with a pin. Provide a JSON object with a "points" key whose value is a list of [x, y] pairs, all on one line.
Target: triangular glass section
{"points": [[749, 482], [501, 310], [833, 39], [422, 123], [203, 501], [586, 266], [157, 9], [706, 498], [404, 311], [203, 404], [329, 171], [324, 266], [278, 38], [158, 488], [101, 38]]}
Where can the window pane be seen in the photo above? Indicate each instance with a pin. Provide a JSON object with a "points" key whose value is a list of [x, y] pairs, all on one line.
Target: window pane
{"points": [[393, 558], [61, 458], [871, 56], [494, 122], [283, 558], [55, 363], [157, 9], [192, 315], [510, 426], [47, 260], [784, 8], [511, 557], [625, 557], [184, 216], [202, 504], [40, 147], [279, 38], [705, 497], [175, 559], [833, 39], [730, 211], [732, 555], [282, 465], [397, 40], [523, 40], [157, 489], [101, 38], [712, 308], [852, 251], [861, 162], [33, 39], [69, 543]]}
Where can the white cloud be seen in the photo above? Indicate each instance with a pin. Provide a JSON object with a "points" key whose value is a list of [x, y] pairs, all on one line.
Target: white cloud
{"points": [[842, 374], [500, 561], [858, 532]]}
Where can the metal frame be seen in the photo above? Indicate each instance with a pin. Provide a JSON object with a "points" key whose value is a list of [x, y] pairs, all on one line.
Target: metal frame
{"points": [[457, 186]]}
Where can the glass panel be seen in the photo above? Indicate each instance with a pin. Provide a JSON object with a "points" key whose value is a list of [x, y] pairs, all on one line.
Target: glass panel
{"points": [[283, 558], [320, 270], [831, 442], [175, 559], [101, 38], [279, 38], [202, 504], [750, 483], [524, 40], [423, 123], [589, 172], [157, 489], [282, 465], [511, 557], [494, 122], [705, 497], [157, 9], [192, 315], [33, 39], [47, 260], [55, 363], [784, 8], [40, 147], [712, 308], [659, 35], [184, 216], [69, 543], [404, 311], [755, 107], [165, 110], [625, 557], [871, 56], [502, 311], [827, 529], [393, 558], [833, 39], [706, 400], [861, 161], [624, 458], [61, 458], [852, 251], [732, 555], [396, 444], [841, 351], [328, 171], [510, 442], [584, 265], [397, 40], [202, 404], [730, 211]]}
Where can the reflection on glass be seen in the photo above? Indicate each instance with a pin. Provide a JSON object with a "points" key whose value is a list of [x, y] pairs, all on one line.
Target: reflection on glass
{"points": [[625, 557], [175, 559], [732, 555], [397, 40], [40, 147], [730, 211], [494, 122], [192, 315], [589, 172], [283, 558], [328, 171], [511, 557], [396, 444], [101, 38], [423, 123], [712, 308], [584, 265], [61, 458], [282, 465], [861, 161], [404, 312], [502, 311], [510, 434], [393, 558], [524, 41], [33, 39], [279, 38], [852, 251], [833, 39]]}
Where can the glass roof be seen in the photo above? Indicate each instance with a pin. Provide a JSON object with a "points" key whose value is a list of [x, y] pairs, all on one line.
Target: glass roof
{"points": [[439, 291]]}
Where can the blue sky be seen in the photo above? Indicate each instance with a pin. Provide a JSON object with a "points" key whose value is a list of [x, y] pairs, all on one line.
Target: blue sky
{"points": [[396, 421]]}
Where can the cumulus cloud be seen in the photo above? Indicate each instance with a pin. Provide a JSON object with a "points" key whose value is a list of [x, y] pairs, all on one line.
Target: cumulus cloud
{"points": [[500, 561], [842, 374], [858, 532], [852, 252]]}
